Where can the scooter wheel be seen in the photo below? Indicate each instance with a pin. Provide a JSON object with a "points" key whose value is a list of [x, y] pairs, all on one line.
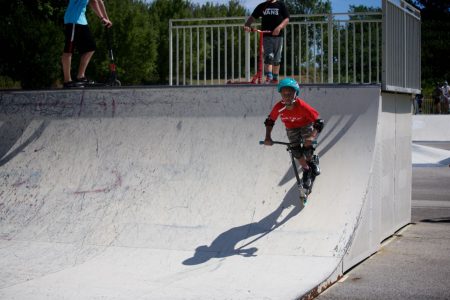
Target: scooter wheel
{"points": [[304, 200]]}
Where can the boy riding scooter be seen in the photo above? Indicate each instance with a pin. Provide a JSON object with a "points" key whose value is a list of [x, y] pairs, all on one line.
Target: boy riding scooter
{"points": [[302, 126]]}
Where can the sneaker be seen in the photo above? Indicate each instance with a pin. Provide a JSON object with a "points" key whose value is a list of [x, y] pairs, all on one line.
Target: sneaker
{"points": [[85, 81], [274, 81], [314, 168], [72, 85], [307, 181], [268, 80]]}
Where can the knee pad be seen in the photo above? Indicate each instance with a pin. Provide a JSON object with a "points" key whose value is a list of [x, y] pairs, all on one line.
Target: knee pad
{"points": [[296, 150]]}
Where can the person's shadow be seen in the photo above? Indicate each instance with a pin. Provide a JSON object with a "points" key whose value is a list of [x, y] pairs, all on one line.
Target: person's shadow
{"points": [[225, 243]]}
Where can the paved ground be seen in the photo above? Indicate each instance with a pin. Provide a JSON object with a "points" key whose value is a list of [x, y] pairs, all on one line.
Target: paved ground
{"points": [[415, 262]]}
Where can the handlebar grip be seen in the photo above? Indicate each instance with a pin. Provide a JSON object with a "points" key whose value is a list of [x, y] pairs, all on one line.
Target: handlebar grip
{"points": [[276, 142]]}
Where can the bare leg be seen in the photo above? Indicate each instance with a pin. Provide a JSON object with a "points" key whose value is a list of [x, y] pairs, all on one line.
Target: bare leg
{"points": [[276, 70], [267, 68], [302, 161], [66, 60], [84, 61]]}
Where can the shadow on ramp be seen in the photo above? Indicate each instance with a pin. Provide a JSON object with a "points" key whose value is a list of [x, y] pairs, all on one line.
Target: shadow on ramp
{"points": [[11, 131], [224, 244]]}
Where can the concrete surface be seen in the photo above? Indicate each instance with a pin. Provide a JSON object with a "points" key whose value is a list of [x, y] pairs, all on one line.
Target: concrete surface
{"points": [[431, 128], [166, 194], [415, 262], [426, 156]]}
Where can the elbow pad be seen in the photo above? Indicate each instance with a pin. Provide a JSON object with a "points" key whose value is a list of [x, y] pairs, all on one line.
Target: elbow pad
{"points": [[318, 125], [269, 122]]}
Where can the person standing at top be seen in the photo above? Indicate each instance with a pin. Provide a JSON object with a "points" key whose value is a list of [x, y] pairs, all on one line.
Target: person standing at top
{"points": [[79, 37], [275, 17], [418, 103], [437, 98]]}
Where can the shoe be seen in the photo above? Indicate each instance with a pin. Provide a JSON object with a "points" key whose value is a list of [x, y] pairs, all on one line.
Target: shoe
{"points": [[268, 80], [274, 81], [85, 81], [72, 85], [307, 181], [314, 168]]}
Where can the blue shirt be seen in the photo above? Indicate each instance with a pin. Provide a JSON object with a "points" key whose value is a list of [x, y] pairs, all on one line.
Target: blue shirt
{"points": [[76, 12]]}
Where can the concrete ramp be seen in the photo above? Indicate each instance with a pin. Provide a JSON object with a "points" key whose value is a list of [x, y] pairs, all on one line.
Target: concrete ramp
{"points": [[165, 193]]}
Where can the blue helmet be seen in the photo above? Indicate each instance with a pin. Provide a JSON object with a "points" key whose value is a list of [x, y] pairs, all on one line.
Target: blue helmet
{"points": [[289, 82]]}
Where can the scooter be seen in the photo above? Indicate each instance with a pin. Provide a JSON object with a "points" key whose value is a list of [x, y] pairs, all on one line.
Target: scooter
{"points": [[112, 79], [304, 192], [257, 78]]}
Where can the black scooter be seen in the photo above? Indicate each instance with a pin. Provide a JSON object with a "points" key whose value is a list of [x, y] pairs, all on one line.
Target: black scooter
{"points": [[112, 79], [304, 192]]}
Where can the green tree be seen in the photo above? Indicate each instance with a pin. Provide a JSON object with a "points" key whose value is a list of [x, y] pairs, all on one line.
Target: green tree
{"points": [[31, 39], [164, 10], [369, 70], [161, 11], [308, 7], [134, 42], [435, 17], [311, 60]]}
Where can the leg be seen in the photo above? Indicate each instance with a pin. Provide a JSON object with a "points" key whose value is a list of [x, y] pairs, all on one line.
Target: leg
{"points": [[297, 137], [66, 60], [86, 47], [268, 71], [307, 173], [312, 160], [302, 161], [278, 49], [84, 61], [276, 70], [268, 58]]}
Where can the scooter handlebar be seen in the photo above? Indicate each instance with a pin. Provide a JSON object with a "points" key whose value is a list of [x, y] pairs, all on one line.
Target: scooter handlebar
{"points": [[263, 31], [276, 142]]}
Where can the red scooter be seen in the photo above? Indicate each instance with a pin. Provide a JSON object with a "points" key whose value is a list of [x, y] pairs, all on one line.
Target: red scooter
{"points": [[257, 78]]}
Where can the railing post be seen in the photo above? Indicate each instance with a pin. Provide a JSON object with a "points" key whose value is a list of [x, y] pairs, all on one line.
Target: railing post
{"points": [[247, 56], [330, 48], [384, 66], [405, 51], [170, 53]]}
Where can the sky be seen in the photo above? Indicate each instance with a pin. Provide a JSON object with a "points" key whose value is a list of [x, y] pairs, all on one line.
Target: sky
{"points": [[338, 6]]}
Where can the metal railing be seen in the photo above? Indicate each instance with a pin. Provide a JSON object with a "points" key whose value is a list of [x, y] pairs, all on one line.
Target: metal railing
{"points": [[401, 47], [322, 48]]}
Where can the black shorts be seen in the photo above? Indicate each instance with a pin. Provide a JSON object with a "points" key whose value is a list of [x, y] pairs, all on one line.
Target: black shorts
{"points": [[78, 37]]}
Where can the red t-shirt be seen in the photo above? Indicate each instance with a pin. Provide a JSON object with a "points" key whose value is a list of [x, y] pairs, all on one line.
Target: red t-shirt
{"points": [[301, 115]]}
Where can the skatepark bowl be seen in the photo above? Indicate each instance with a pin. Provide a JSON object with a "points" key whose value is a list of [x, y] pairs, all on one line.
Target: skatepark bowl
{"points": [[165, 192]]}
